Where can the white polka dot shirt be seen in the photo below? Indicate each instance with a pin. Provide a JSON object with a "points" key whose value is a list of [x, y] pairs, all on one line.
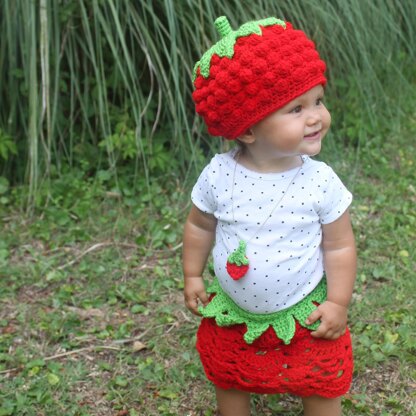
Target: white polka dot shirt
{"points": [[285, 254]]}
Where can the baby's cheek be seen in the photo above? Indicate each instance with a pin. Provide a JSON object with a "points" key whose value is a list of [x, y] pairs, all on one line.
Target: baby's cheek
{"points": [[326, 119], [288, 140]]}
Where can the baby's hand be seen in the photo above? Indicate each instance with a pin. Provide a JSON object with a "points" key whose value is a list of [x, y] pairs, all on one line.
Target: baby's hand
{"points": [[333, 320], [194, 292]]}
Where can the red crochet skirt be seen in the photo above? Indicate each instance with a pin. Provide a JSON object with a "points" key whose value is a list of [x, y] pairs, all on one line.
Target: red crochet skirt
{"points": [[307, 366]]}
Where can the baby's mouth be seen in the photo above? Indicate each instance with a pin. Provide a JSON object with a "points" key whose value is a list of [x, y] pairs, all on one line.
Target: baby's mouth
{"points": [[313, 136]]}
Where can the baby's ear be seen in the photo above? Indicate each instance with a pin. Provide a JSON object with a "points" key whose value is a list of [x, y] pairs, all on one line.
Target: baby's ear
{"points": [[248, 137]]}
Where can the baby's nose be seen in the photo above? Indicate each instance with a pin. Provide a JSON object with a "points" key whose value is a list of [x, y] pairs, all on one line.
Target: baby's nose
{"points": [[314, 117]]}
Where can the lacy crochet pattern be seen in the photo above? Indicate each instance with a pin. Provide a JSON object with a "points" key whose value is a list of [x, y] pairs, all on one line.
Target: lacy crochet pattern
{"points": [[226, 313], [307, 366]]}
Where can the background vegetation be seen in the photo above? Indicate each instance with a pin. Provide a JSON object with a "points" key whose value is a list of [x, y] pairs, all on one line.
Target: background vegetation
{"points": [[103, 85], [99, 146]]}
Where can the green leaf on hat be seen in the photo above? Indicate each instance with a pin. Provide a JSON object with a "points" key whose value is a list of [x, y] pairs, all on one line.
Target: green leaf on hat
{"points": [[225, 46]]}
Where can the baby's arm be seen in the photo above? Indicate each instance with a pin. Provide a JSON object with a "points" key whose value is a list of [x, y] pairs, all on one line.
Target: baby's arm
{"points": [[340, 263], [199, 234]]}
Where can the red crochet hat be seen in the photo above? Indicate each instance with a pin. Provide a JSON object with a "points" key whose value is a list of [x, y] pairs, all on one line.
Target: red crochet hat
{"points": [[252, 72]]}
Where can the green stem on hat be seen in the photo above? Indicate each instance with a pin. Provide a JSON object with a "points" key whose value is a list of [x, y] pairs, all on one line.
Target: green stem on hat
{"points": [[225, 46], [238, 256], [223, 26]]}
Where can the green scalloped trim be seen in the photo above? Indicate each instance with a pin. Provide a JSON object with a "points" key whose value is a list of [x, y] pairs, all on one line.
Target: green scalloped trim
{"points": [[226, 312], [225, 46]]}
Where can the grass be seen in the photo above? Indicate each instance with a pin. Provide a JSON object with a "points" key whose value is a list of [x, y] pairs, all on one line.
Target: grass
{"points": [[91, 314]]}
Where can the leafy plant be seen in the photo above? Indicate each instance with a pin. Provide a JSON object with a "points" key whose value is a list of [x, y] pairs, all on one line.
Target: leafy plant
{"points": [[7, 145], [104, 84]]}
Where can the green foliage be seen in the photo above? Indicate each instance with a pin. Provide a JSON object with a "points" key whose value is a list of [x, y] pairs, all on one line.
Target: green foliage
{"points": [[7, 145], [4, 190], [108, 83]]}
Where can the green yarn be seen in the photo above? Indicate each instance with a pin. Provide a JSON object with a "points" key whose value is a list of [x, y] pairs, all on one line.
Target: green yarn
{"points": [[223, 26], [226, 312], [225, 46], [238, 256]]}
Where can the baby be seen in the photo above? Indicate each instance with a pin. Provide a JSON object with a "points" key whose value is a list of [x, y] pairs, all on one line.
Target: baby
{"points": [[284, 260]]}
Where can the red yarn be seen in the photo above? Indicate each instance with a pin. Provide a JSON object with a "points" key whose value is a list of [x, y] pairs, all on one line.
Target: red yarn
{"points": [[236, 271], [307, 366], [265, 73]]}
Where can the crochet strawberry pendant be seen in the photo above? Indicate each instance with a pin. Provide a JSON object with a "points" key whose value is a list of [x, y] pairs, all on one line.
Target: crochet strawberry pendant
{"points": [[237, 262]]}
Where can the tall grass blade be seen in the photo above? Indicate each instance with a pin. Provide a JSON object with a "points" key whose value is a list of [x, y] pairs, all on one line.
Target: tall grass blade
{"points": [[32, 77], [91, 84]]}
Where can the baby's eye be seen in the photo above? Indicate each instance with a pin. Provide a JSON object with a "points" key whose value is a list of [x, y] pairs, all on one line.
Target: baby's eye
{"points": [[319, 101], [297, 109]]}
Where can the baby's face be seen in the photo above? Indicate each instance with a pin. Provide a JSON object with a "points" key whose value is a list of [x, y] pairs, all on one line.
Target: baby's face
{"points": [[298, 128]]}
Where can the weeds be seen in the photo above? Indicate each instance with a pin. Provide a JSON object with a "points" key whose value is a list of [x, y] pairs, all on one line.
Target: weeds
{"points": [[101, 85]]}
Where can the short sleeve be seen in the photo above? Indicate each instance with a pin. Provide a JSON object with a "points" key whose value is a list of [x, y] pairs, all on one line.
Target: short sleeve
{"points": [[335, 199], [202, 195]]}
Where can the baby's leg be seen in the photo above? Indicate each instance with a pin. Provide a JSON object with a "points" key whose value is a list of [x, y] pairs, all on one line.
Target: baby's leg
{"points": [[233, 402], [320, 406]]}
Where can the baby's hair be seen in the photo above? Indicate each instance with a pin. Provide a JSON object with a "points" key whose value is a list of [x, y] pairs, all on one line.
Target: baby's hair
{"points": [[241, 145]]}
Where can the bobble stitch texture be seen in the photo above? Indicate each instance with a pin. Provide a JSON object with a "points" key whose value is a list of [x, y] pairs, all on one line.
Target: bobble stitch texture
{"points": [[267, 59]]}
